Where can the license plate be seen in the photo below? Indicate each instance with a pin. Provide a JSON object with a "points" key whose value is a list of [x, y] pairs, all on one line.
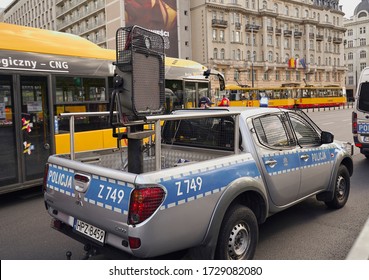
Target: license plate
{"points": [[90, 230], [363, 128]]}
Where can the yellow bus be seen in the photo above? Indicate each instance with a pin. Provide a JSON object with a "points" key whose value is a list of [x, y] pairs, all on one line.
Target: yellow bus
{"points": [[44, 73], [288, 96]]}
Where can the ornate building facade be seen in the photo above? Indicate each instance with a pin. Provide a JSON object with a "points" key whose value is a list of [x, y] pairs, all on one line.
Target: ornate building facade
{"points": [[270, 42], [356, 45]]}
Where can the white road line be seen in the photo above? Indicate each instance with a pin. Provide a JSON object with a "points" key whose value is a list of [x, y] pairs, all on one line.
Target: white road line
{"points": [[328, 123]]}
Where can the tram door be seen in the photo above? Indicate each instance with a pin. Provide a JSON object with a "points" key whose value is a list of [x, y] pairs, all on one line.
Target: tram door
{"points": [[8, 146], [35, 129]]}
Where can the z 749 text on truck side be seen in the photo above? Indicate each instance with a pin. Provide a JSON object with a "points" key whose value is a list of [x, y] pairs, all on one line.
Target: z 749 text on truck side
{"points": [[209, 178]]}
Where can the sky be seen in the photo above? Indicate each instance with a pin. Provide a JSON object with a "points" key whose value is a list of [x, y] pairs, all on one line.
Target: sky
{"points": [[348, 6], [4, 3]]}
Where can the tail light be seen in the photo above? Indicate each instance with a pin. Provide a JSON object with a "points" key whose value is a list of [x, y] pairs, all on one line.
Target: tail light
{"points": [[134, 242], [46, 171], [354, 123], [144, 202]]}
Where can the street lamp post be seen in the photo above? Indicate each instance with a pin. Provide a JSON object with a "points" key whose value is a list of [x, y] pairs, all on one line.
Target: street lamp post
{"points": [[252, 27], [252, 56]]}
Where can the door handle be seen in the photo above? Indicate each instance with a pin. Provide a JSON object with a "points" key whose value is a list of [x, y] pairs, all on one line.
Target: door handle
{"points": [[271, 163], [305, 157]]}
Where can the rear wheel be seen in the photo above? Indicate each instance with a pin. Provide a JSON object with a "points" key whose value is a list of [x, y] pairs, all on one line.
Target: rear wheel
{"points": [[238, 235], [341, 190]]}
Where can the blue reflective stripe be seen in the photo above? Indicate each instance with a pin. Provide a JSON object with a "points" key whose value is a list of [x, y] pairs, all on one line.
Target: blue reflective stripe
{"points": [[186, 187], [60, 179], [292, 161], [109, 194]]}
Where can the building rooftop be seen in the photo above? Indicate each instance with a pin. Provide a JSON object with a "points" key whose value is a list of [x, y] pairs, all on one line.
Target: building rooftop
{"points": [[363, 6]]}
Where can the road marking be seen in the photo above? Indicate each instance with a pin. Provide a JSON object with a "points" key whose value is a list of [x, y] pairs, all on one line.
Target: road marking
{"points": [[328, 123]]}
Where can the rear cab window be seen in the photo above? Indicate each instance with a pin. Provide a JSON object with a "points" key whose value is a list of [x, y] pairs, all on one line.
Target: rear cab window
{"points": [[210, 133]]}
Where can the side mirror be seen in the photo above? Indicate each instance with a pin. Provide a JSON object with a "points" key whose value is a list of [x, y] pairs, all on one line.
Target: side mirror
{"points": [[326, 137]]}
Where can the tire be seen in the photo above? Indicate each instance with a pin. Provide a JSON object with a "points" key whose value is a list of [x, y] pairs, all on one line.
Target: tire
{"points": [[238, 235], [341, 189]]}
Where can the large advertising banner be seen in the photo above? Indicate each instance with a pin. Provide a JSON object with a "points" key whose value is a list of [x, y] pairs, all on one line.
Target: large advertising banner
{"points": [[158, 16]]}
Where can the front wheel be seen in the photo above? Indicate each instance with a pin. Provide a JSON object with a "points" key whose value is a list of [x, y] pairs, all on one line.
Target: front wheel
{"points": [[341, 189], [238, 235]]}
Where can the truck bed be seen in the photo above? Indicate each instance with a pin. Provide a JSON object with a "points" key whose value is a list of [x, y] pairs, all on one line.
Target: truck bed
{"points": [[171, 156]]}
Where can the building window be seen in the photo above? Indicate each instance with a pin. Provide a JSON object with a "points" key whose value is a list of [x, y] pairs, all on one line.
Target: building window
{"points": [[270, 56], [277, 75], [222, 54], [350, 32], [236, 75], [350, 56], [270, 40], [238, 54], [221, 35], [350, 67], [363, 54], [215, 53], [266, 76], [276, 8], [214, 34], [298, 76], [362, 66], [237, 37], [350, 80], [327, 77], [288, 76], [362, 41]]}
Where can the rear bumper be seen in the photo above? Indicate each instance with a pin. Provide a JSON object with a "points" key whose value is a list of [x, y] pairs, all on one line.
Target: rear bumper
{"points": [[364, 147], [108, 251]]}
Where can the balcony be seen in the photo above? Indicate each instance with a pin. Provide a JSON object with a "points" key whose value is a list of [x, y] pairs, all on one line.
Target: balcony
{"points": [[287, 33], [278, 31], [252, 27], [219, 23], [337, 40], [297, 34], [319, 37], [329, 39], [311, 35], [270, 28]]}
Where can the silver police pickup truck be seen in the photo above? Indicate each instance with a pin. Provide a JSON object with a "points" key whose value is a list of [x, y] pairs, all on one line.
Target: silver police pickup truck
{"points": [[209, 178]]}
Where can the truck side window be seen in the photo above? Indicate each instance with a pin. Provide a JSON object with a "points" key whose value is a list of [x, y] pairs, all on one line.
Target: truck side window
{"points": [[272, 131], [363, 101], [306, 135]]}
